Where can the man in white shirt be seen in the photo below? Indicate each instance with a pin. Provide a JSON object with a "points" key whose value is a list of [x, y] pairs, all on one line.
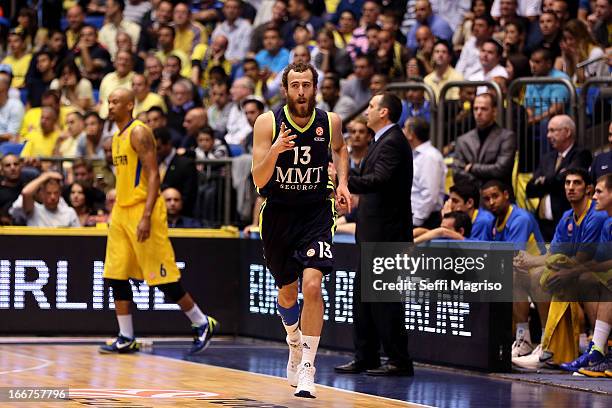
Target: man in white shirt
{"points": [[429, 175], [236, 30], [52, 212], [490, 68], [238, 127], [468, 62]]}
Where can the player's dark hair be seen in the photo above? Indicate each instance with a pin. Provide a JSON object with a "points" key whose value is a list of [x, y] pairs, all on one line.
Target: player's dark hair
{"points": [[607, 180], [393, 104], [467, 191], [503, 187], [420, 128], [578, 171], [462, 220], [299, 67]]}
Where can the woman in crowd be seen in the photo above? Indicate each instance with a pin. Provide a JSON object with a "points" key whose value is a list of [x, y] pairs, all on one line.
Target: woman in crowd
{"points": [[76, 91]]}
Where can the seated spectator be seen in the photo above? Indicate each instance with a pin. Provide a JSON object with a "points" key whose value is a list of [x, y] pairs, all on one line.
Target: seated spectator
{"points": [[40, 143], [93, 59], [76, 91], [490, 67], [179, 103], [600, 22], [174, 205], [176, 171], [237, 30], [300, 11], [550, 27], [329, 58], [80, 198], [332, 101], [391, 56], [602, 164], [11, 182], [31, 119], [359, 44], [153, 71], [124, 43], [75, 17], [39, 79], [463, 33], [378, 84], [161, 14], [358, 87], [416, 106], [360, 136], [11, 113], [425, 16], [425, 43], [515, 37], [213, 57], [238, 127], [120, 78], [456, 225], [487, 152], [195, 119], [429, 175], [209, 147], [390, 20], [51, 212], [166, 49], [89, 145], [83, 172], [443, 72], [18, 59], [273, 58], [343, 34], [156, 118], [144, 98], [578, 46], [469, 60], [543, 101], [466, 198], [116, 23], [189, 33], [278, 20], [547, 181], [68, 140], [218, 112]]}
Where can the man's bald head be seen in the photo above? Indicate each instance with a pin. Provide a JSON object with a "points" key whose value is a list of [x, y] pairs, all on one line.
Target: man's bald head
{"points": [[120, 105], [195, 119]]}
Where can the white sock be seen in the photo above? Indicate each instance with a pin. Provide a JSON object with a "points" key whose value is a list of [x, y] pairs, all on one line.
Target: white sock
{"points": [[196, 316], [126, 328], [600, 336], [293, 332], [522, 331], [309, 348]]}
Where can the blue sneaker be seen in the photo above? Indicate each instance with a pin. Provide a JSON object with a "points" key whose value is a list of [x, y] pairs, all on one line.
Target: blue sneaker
{"points": [[590, 358], [202, 335], [121, 345]]}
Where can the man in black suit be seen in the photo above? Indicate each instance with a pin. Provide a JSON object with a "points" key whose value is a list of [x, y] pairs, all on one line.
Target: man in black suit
{"points": [[176, 171], [384, 184], [547, 182]]}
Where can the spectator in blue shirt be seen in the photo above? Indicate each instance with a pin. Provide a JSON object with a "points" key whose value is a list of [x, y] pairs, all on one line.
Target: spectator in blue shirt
{"points": [[274, 57], [465, 197], [424, 16]]}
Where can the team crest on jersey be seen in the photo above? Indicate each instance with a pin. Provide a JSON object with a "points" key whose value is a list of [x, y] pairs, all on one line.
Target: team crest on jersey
{"points": [[319, 131], [310, 252], [570, 229]]}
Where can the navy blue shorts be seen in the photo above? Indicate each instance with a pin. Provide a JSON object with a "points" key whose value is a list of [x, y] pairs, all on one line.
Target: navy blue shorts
{"points": [[297, 237]]}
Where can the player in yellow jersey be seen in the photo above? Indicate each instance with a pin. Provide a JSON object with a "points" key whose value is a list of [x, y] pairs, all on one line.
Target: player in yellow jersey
{"points": [[138, 246]]}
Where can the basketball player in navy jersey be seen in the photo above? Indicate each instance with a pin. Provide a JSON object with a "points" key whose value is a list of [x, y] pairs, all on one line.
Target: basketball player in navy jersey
{"points": [[297, 220]]}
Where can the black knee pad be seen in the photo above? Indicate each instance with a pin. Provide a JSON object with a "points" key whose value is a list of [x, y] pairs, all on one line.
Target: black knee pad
{"points": [[173, 291], [122, 290]]}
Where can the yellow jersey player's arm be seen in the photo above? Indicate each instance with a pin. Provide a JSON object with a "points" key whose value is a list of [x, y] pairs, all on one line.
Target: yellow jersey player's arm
{"points": [[265, 152], [341, 163], [144, 145]]}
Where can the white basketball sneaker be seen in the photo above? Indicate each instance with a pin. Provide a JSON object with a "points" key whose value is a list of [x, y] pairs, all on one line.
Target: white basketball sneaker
{"points": [[306, 384], [293, 364]]}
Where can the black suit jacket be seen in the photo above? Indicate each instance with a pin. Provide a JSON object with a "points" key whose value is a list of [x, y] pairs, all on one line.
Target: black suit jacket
{"points": [[183, 176], [554, 184], [384, 183]]}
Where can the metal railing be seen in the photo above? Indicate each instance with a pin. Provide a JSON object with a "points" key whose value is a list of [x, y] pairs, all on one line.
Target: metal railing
{"points": [[450, 126], [593, 127]]}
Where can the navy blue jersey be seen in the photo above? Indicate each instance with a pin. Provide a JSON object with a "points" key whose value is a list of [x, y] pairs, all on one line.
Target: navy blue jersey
{"points": [[300, 175]]}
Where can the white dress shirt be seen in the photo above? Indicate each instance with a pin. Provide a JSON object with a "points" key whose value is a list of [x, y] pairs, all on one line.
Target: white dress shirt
{"points": [[469, 60], [238, 126], [238, 36], [428, 180]]}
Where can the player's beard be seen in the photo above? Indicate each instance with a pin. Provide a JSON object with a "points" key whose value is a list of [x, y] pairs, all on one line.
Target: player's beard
{"points": [[298, 110]]}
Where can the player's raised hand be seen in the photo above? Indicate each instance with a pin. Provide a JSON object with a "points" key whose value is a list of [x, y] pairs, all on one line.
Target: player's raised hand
{"points": [[284, 141]]}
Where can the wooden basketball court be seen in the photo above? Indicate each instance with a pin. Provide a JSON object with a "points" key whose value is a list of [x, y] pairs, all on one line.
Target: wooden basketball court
{"points": [[145, 380]]}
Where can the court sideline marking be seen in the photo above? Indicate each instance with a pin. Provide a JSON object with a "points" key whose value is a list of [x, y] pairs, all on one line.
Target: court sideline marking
{"points": [[45, 364]]}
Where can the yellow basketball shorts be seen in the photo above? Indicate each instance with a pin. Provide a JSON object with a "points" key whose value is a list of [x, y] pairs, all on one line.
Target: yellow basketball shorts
{"points": [[152, 260]]}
